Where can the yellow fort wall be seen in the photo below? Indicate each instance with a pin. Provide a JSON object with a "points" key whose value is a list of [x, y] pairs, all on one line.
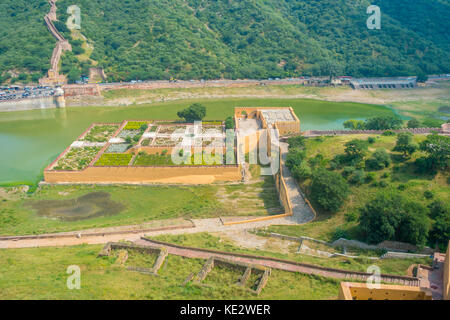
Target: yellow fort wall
{"points": [[446, 290], [182, 174], [360, 291]]}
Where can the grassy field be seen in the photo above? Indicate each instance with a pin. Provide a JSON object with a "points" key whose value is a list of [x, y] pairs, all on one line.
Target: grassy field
{"points": [[217, 242], [41, 274], [400, 174], [141, 204]]}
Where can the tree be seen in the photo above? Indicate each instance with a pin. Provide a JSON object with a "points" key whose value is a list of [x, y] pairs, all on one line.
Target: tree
{"points": [[422, 78], [301, 172], [296, 142], [356, 149], [438, 149], [380, 159], [229, 123], [195, 112], [354, 124], [383, 123], [413, 123], [74, 75], [329, 189], [391, 216], [295, 157], [405, 144], [440, 232]]}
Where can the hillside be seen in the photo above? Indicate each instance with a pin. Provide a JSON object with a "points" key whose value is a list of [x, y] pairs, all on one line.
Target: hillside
{"points": [[25, 43], [187, 39]]}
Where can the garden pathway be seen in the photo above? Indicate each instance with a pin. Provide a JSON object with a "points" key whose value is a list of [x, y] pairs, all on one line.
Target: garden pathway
{"points": [[201, 225]]}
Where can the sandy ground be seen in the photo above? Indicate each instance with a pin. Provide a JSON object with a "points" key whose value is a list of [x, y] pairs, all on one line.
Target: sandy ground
{"points": [[438, 92]]}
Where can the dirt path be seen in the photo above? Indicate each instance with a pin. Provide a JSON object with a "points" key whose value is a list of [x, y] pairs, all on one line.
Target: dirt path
{"points": [[200, 225], [280, 264]]}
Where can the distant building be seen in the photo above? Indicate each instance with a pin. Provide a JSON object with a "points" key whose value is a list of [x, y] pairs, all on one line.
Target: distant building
{"points": [[384, 83]]}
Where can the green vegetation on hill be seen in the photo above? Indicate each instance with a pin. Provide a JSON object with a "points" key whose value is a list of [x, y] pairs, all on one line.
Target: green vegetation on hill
{"points": [[160, 39], [26, 45], [385, 174]]}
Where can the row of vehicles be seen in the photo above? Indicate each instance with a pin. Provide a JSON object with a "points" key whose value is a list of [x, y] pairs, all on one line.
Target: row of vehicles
{"points": [[16, 92]]}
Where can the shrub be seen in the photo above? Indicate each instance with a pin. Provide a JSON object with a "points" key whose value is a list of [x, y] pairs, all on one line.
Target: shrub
{"points": [[329, 190], [318, 161], [358, 177], [428, 194], [356, 149], [296, 142], [333, 165], [401, 187], [438, 149], [413, 123], [424, 166], [385, 175], [302, 172], [354, 124], [391, 216], [388, 133], [405, 144], [379, 160], [371, 140], [340, 233], [348, 171], [383, 184], [295, 157], [370, 177], [383, 123], [351, 216], [229, 123]]}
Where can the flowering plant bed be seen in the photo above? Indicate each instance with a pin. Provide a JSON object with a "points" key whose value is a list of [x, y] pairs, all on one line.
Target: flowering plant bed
{"points": [[171, 129], [159, 141], [77, 159], [136, 125], [100, 133], [128, 133], [118, 148], [146, 142], [165, 159], [114, 159]]}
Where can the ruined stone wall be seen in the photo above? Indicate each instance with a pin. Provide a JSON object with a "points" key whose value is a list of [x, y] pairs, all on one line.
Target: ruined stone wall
{"points": [[71, 90]]}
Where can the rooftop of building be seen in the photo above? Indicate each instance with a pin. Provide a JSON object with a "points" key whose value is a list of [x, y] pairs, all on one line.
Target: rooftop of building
{"points": [[376, 81]]}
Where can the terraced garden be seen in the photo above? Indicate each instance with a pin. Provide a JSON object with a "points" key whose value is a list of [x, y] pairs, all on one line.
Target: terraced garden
{"points": [[100, 133], [77, 159]]}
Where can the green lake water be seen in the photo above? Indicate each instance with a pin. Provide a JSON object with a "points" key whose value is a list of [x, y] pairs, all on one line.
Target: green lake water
{"points": [[30, 140]]}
